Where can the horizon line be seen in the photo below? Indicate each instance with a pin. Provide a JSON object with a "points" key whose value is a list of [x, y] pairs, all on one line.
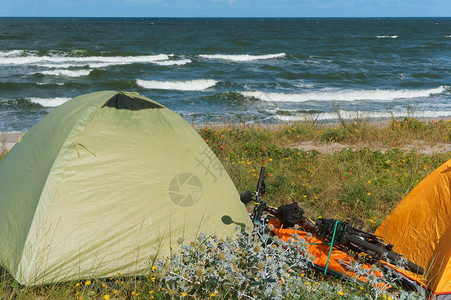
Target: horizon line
{"points": [[229, 17]]}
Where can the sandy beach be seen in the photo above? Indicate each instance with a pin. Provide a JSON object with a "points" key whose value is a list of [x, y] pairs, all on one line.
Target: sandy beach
{"points": [[8, 140]]}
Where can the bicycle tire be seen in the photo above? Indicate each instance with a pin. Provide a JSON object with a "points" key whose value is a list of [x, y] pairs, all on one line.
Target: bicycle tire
{"points": [[394, 257]]}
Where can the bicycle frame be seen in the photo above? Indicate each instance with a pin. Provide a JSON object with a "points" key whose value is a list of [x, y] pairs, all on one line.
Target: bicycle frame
{"points": [[340, 234]]}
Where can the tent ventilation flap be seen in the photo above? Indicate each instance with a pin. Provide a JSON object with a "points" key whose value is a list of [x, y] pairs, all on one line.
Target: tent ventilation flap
{"points": [[122, 101]]}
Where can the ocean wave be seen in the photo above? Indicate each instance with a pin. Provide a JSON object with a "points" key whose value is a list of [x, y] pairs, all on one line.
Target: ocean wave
{"points": [[99, 65], [242, 57], [92, 65], [344, 95], [59, 65], [349, 115], [173, 62], [191, 85], [12, 53], [73, 61], [386, 36], [19, 103], [50, 84], [304, 85], [49, 102], [66, 73], [72, 52]]}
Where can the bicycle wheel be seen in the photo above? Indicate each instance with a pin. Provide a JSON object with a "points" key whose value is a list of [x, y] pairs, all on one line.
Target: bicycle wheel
{"points": [[392, 256]]}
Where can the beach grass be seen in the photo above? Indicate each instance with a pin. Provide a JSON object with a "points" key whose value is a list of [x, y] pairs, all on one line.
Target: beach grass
{"points": [[374, 168]]}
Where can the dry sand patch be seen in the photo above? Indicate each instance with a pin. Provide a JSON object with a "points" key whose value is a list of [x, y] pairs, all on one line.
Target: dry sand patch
{"points": [[8, 140], [329, 148]]}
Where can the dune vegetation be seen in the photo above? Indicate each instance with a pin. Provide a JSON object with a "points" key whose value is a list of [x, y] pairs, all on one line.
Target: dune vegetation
{"points": [[374, 168]]}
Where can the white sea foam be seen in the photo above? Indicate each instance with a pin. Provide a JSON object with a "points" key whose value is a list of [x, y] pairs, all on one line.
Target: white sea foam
{"points": [[49, 102], [97, 64], [241, 57], [70, 61], [349, 115], [386, 36], [12, 53], [449, 36], [45, 83], [60, 66], [179, 62], [105, 64], [313, 62], [192, 85], [344, 95], [79, 65], [67, 73], [76, 52], [304, 85]]}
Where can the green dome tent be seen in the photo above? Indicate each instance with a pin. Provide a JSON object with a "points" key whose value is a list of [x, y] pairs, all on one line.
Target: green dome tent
{"points": [[104, 182]]}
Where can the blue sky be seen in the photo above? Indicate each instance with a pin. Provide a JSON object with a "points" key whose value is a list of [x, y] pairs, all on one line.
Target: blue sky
{"points": [[226, 8]]}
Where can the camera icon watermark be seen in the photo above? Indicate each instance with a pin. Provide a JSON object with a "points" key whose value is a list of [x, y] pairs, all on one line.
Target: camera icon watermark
{"points": [[185, 189]]}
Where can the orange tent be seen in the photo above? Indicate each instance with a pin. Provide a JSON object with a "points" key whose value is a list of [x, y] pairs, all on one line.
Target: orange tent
{"points": [[420, 229]]}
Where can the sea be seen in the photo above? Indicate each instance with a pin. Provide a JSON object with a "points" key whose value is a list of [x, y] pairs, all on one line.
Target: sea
{"points": [[227, 70]]}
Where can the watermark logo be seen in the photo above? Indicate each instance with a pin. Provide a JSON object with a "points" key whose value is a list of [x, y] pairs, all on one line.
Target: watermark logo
{"points": [[207, 160], [185, 189]]}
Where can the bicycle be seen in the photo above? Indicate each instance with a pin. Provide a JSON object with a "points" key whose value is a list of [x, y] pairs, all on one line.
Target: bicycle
{"points": [[346, 236]]}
